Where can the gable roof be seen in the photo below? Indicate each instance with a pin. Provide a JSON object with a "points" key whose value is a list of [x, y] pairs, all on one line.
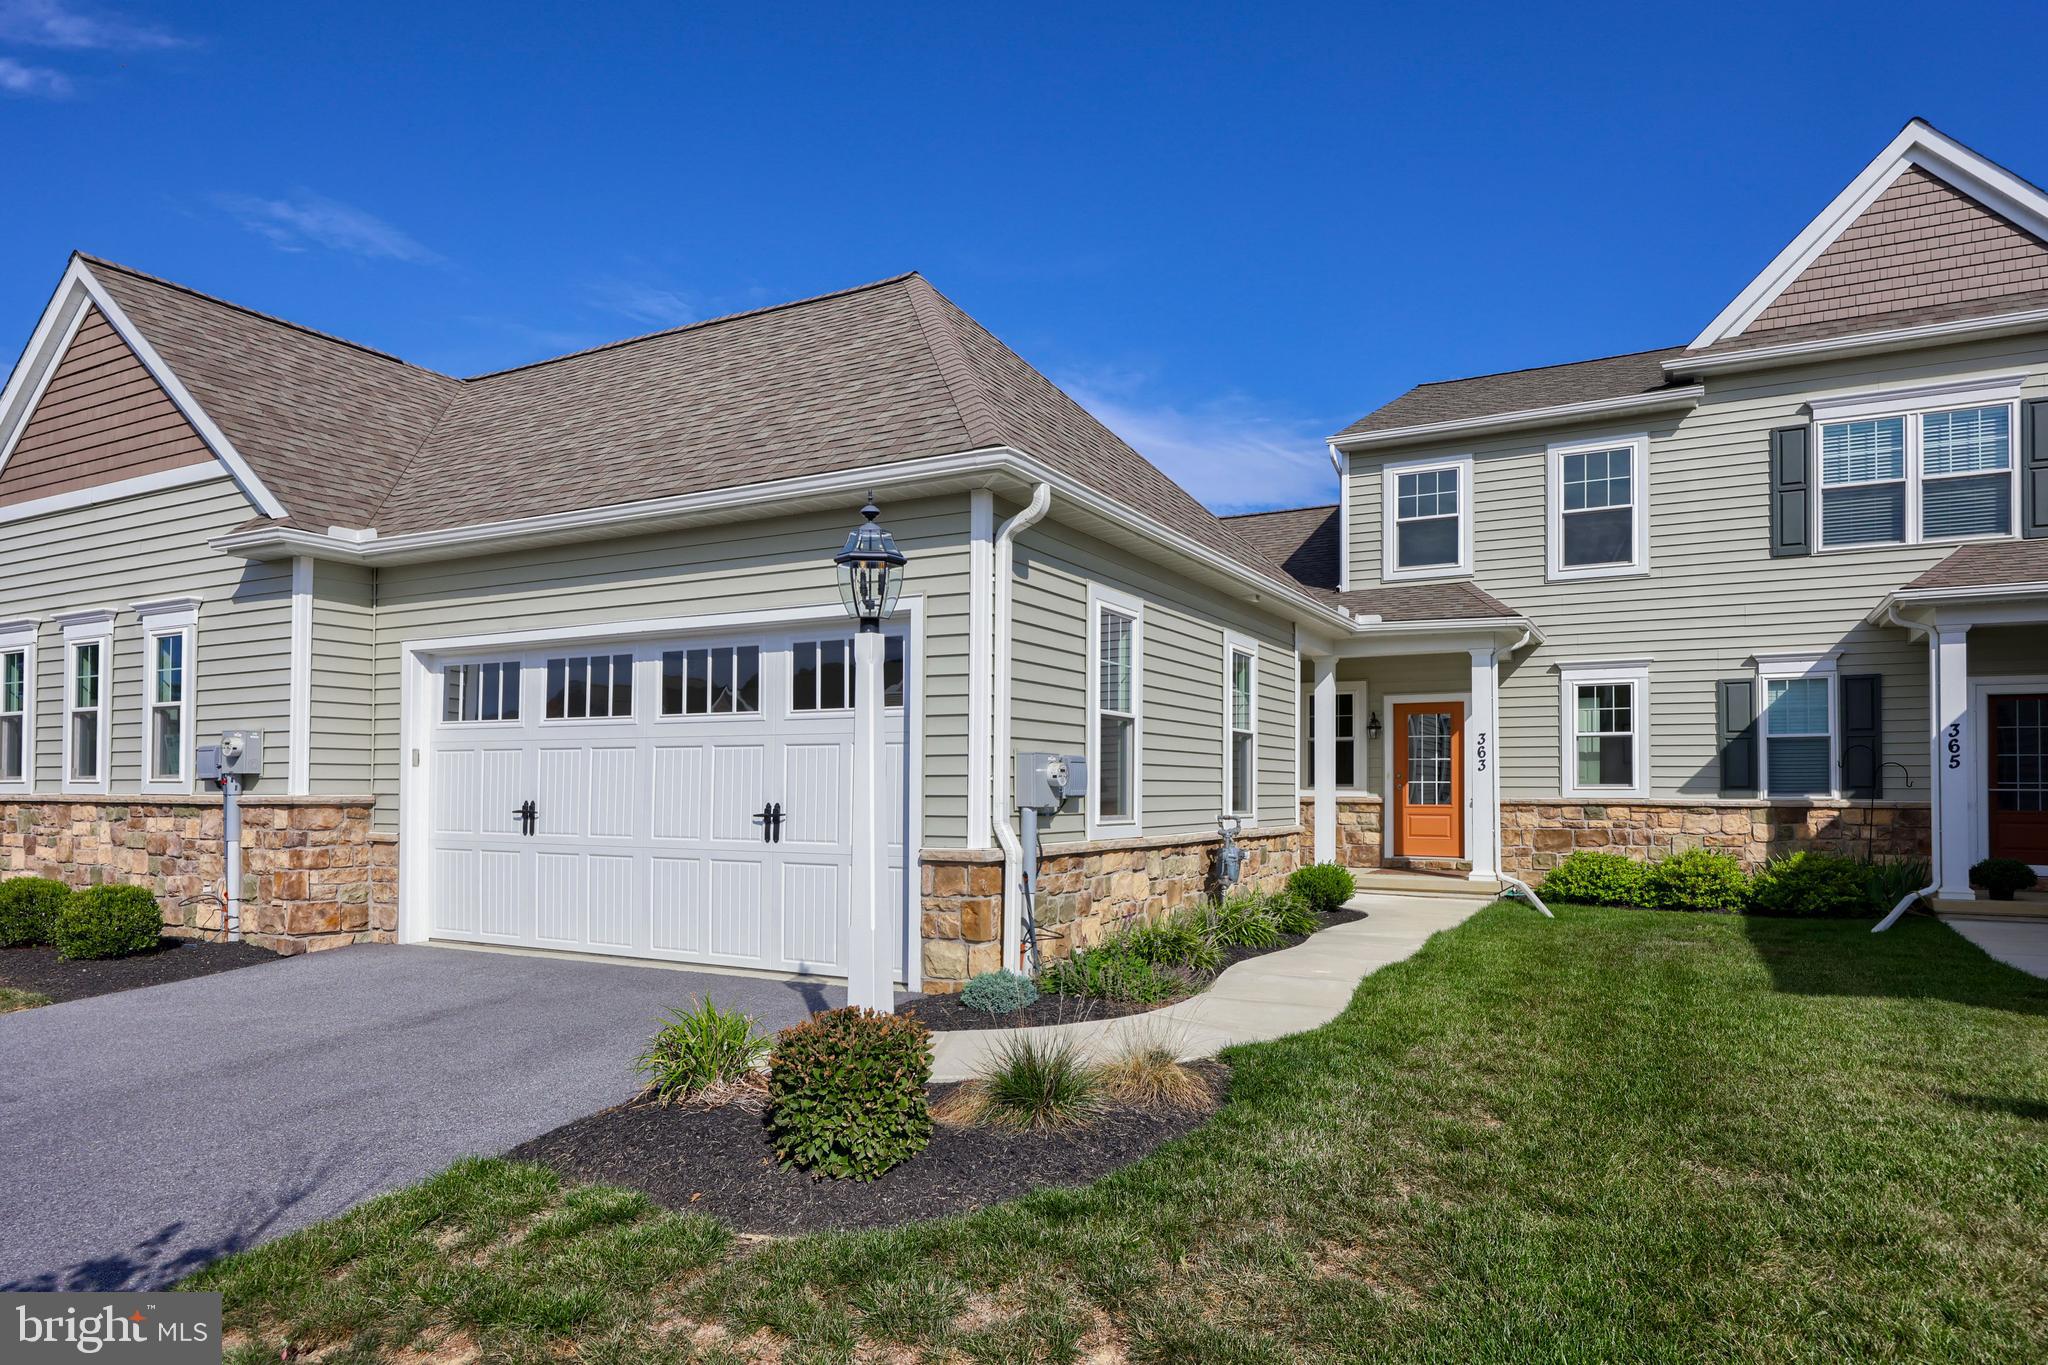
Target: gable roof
{"points": [[1616, 379], [1927, 222], [1301, 540], [1992, 564]]}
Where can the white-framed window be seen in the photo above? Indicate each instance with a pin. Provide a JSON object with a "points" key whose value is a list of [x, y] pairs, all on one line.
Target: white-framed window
{"points": [[481, 692], [1116, 724], [169, 638], [1600, 507], [1917, 466], [17, 706], [1606, 726], [1426, 518], [590, 687], [88, 678], [714, 680], [1240, 727], [1351, 717], [1798, 726]]}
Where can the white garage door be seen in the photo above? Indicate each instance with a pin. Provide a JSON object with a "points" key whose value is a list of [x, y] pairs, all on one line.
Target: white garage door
{"points": [[684, 799]]}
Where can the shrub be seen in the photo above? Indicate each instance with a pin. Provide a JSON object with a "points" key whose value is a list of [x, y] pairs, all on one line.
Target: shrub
{"points": [[698, 1049], [1030, 1084], [108, 921], [846, 1092], [1324, 887], [1180, 940], [1000, 992], [1894, 879], [1292, 915], [1590, 878], [1244, 922], [1812, 884], [2003, 876], [28, 910], [1108, 973], [1698, 879]]}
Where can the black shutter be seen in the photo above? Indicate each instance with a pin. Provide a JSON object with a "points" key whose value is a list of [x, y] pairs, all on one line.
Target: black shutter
{"points": [[1791, 490], [1862, 735], [2034, 468], [1736, 712]]}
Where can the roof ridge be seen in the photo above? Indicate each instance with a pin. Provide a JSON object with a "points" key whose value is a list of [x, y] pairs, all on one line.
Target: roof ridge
{"points": [[1278, 511], [218, 301], [977, 412], [698, 325], [1554, 365]]}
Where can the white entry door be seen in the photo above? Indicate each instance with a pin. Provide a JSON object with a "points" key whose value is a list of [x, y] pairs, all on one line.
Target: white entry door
{"points": [[685, 799]]}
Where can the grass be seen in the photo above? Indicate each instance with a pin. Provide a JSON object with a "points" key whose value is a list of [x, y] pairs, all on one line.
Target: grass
{"points": [[1030, 1084], [12, 999], [1619, 1135]]}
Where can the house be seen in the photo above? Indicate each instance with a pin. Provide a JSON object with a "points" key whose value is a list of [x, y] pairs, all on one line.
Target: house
{"points": [[554, 657]]}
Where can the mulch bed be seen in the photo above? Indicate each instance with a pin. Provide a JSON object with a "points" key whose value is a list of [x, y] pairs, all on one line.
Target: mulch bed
{"points": [[173, 959], [720, 1161], [945, 1013]]}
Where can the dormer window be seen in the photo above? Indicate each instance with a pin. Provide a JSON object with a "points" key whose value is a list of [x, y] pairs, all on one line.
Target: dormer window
{"points": [[1924, 470]]}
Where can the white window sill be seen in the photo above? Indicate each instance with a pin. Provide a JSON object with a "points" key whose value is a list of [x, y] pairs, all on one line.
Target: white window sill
{"points": [[1563, 575], [1425, 575]]}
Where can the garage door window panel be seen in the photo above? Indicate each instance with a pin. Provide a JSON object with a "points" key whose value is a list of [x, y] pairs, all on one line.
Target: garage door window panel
{"points": [[481, 692], [721, 680], [590, 687]]}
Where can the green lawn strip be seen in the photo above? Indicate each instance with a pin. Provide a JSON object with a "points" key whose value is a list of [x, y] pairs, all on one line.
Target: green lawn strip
{"points": [[12, 999], [1615, 1135]]}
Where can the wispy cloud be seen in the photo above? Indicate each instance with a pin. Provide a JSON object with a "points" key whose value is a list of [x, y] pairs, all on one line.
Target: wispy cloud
{"points": [[36, 82], [303, 220], [48, 23], [1233, 453], [656, 305]]}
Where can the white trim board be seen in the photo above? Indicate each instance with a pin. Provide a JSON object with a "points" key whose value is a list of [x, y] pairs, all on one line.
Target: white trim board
{"points": [[299, 780]]}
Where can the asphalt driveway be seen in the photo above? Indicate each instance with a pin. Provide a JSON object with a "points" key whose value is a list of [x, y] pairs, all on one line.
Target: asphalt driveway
{"points": [[146, 1133]]}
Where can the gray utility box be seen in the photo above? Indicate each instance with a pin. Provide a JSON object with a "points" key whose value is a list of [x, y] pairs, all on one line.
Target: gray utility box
{"points": [[239, 752], [1046, 782]]}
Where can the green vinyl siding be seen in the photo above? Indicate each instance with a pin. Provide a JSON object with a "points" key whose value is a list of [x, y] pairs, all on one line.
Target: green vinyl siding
{"points": [[344, 658]]}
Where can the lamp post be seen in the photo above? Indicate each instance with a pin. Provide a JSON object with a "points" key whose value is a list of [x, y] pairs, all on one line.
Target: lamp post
{"points": [[870, 577]]}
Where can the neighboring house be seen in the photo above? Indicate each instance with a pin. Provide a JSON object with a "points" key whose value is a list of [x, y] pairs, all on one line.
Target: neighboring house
{"points": [[1791, 579]]}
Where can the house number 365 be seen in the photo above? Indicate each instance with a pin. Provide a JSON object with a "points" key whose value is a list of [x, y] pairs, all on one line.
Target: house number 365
{"points": [[1479, 751], [1955, 745]]}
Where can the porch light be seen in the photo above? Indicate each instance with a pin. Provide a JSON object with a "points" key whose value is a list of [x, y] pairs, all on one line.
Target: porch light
{"points": [[870, 570], [1372, 725]]}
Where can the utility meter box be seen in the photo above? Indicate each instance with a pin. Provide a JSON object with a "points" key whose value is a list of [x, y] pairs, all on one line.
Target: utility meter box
{"points": [[1046, 782], [239, 752]]}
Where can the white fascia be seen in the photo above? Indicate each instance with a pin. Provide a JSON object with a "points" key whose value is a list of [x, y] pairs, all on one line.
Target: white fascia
{"points": [[1677, 399]]}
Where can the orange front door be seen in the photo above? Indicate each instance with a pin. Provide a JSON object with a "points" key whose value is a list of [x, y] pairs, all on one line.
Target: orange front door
{"points": [[2019, 778], [1429, 779]]}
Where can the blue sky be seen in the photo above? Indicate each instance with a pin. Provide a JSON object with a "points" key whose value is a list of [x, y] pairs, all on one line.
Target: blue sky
{"points": [[1228, 229]]}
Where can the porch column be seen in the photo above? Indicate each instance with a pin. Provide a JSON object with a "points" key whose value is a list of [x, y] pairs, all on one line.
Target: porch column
{"points": [[1325, 704], [1955, 829], [1482, 764]]}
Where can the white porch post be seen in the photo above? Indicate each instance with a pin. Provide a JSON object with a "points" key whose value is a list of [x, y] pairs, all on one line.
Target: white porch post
{"points": [[1955, 829], [1325, 706], [1482, 765], [867, 967]]}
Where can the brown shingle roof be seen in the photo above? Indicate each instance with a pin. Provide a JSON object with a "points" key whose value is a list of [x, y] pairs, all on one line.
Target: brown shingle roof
{"points": [[1454, 599], [1548, 386], [1993, 564], [1301, 540]]}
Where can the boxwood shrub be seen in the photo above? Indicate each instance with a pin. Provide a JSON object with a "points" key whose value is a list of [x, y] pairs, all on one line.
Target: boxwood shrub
{"points": [[109, 921], [1323, 887], [846, 1092], [1812, 884], [1590, 878], [1697, 879], [28, 910]]}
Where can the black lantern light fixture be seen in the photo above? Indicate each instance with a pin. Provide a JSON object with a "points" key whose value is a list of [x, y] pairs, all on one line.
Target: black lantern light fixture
{"points": [[870, 570], [1372, 725]]}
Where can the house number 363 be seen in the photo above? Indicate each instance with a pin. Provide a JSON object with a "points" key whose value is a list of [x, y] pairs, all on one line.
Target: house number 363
{"points": [[1479, 751], [1955, 744]]}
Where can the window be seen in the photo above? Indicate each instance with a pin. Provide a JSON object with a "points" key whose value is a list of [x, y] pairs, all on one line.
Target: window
{"points": [[1606, 729], [714, 680], [1349, 708], [17, 701], [1116, 644], [590, 687], [85, 709], [1798, 727], [485, 691], [1932, 467], [1599, 517], [1241, 737], [168, 629], [822, 673], [1428, 518]]}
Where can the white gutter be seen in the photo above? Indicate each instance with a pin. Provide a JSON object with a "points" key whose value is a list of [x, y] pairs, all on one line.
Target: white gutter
{"points": [[1000, 760], [1660, 401], [1933, 797]]}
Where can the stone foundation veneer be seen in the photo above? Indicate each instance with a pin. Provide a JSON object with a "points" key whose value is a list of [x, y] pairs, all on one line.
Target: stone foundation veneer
{"points": [[1536, 835], [314, 875]]}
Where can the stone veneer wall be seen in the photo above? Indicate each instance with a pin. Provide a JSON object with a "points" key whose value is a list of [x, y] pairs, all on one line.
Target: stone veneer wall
{"points": [[1359, 840], [1084, 890], [313, 874], [1536, 835]]}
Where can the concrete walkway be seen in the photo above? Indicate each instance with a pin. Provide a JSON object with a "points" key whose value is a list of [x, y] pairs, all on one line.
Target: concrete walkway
{"points": [[2018, 943], [1301, 988]]}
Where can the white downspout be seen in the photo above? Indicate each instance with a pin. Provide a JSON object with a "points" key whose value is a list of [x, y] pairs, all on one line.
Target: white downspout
{"points": [[999, 756], [1934, 783]]}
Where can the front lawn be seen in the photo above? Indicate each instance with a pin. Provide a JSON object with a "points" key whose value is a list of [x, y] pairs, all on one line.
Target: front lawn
{"points": [[12, 999], [1616, 1135]]}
